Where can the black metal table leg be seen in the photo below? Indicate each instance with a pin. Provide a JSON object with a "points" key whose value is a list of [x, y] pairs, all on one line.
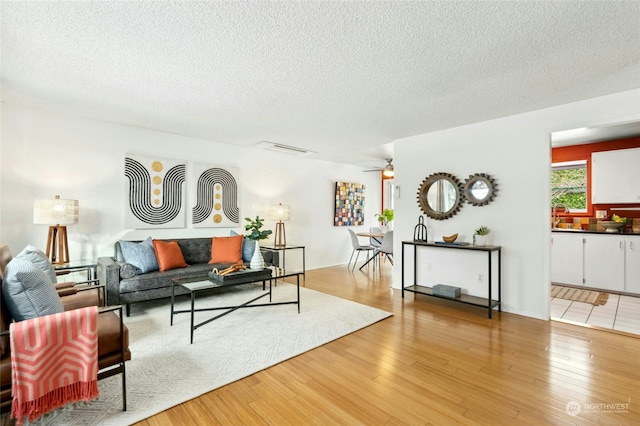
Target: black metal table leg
{"points": [[172, 300], [193, 301], [500, 280], [490, 283], [298, 285]]}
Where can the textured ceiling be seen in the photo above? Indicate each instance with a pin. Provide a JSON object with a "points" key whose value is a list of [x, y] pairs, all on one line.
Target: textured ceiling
{"points": [[343, 79]]}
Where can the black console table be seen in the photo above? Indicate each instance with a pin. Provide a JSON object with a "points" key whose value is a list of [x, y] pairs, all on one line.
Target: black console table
{"points": [[488, 302]]}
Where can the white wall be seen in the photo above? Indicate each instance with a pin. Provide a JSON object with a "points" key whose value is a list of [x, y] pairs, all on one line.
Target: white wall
{"points": [[516, 151], [43, 154]]}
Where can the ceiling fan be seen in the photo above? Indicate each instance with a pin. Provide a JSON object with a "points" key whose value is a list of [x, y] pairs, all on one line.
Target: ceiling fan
{"points": [[387, 171]]}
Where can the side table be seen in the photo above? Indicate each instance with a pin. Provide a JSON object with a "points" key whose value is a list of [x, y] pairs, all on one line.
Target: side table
{"points": [[90, 266], [283, 249]]}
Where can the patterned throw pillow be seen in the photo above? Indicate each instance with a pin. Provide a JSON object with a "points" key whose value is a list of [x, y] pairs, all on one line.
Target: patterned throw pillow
{"points": [[226, 250], [141, 255], [39, 260], [248, 247], [169, 255], [28, 292]]}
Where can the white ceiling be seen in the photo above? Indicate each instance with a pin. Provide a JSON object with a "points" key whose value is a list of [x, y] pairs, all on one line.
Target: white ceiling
{"points": [[340, 78]]}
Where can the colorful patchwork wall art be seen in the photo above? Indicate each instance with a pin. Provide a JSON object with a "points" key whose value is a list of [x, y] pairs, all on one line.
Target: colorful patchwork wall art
{"points": [[349, 205], [155, 192], [216, 196]]}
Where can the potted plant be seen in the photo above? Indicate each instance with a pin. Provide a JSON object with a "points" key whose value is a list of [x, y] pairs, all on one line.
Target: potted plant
{"points": [[480, 236], [384, 218], [256, 234]]}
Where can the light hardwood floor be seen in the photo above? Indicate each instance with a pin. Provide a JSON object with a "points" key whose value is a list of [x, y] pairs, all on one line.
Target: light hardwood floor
{"points": [[433, 362]]}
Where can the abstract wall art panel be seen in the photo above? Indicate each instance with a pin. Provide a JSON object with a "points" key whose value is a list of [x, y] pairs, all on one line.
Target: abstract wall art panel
{"points": [[156, 196], [349, 206], [215, 190]]}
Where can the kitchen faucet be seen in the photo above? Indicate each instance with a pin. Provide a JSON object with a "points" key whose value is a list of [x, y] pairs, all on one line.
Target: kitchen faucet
{"points": [[566, 209]]}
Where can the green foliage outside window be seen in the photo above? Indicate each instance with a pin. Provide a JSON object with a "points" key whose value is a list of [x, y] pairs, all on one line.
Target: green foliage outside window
{"points": [[569, 187]]}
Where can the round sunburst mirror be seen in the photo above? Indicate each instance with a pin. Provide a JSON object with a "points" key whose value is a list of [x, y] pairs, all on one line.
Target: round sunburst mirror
{"points": [[440, 196], [479, 189]]}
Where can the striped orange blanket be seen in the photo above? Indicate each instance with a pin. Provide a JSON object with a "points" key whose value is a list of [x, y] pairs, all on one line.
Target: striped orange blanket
{"points": [[54, 362]]}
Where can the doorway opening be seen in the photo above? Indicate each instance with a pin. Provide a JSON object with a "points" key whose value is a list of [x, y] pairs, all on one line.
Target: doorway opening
{"points": [[621, 311]]}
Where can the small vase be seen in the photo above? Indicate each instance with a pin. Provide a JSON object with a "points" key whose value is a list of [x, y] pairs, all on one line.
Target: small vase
{"points": [[384, 228], [480, 240], [257, 261]]}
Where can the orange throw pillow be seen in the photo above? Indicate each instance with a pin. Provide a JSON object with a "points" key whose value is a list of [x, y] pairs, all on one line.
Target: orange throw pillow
{"points": [[226, 249], [169, 255]]}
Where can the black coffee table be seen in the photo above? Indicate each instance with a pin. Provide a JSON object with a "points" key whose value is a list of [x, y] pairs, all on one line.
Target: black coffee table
{"points": [[195, 286]]}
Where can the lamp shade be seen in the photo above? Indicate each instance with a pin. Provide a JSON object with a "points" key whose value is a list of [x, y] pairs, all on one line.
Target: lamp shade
{"points": [[280, 213], [55, 212]]}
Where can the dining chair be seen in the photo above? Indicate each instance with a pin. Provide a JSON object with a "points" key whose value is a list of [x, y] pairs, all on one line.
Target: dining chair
{"points": [[387, 246], [375, 242], [357, 247]]}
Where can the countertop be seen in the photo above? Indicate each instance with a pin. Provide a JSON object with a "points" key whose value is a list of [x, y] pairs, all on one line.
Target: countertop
{"points": [[582, 231]]}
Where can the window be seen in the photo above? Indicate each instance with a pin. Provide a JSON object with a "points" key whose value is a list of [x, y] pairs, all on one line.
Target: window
{"points": [[569, 185]]}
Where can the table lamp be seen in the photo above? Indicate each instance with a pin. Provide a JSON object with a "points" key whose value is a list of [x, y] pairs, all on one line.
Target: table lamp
{"points": [[281, 214], [57, 213]]}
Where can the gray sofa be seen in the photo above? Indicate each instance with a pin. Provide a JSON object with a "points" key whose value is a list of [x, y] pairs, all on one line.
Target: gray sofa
{"points": [[124, 287]]}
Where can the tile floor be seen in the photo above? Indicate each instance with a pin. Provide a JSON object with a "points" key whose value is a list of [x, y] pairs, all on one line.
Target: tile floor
{"points": [[621, 313]]}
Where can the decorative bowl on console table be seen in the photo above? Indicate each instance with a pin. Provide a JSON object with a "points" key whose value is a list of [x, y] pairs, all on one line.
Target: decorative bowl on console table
{"points": [[612, 226], [450, 238]]}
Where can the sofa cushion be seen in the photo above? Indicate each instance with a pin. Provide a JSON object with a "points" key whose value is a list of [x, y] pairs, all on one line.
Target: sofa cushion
{"points": [[169, 255], [39, 260], [28, 292], [195, 250], [144, 283], [226, 249], [141, 255], [248, 247]]}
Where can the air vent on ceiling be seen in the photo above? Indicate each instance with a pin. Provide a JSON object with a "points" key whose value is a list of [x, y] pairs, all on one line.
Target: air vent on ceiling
{"points": [[287, 149]]}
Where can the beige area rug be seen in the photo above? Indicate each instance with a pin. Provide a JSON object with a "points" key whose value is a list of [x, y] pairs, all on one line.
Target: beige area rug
{"points": [[165, 370], [577, 295]]}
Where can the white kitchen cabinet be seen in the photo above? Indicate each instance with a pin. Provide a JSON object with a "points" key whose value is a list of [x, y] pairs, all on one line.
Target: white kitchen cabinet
{"points": [[604, 261], [566, 258], [632, 261], [615, 176]]}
